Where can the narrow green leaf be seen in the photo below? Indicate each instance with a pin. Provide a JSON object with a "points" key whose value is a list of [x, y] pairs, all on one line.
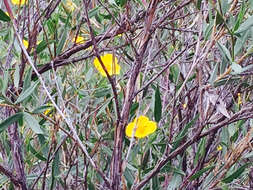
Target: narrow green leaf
{"points": [[41, 109], [43, 45], [199, 4], [156, 184], [129, 176], [240, 41], [245, 25], [240, 17], [26, 93], [94, 11], [101, 92], [225, 52], [4, 17], [5, 82], [219, 18], [89, 75], [63, 38], [200, 151], [183, 132], [16, 76], [27, 80], [158, 105], [55, 169], [133, 108], [6, 123], [35, 153], [224, 6], [201, 172], [102, 109], [237, 69], [32, 123], [236, 174], [62, 42], [214, 74]]}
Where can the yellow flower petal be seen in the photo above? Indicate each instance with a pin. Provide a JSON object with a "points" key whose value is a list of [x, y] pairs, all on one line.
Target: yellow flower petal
{"points": [[219, 148], [78, 40], [25, 42], [18, 2], [70, 5], [144, 128], [111, 64]]}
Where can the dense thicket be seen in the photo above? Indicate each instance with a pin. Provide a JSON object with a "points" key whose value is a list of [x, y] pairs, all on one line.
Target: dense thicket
{"points": [[117, 94]]}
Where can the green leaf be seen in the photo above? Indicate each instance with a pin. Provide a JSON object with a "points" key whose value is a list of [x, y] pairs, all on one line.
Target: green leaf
{"points": [[246, 25], [35, 153], [51, 25], [94, 11], [201, 172], [63, 38], [26, 93], [55, 169], [41, 109], [43, 45], [62, 42], [224, 6], [219, 18], [214, 73], [236, 174], [102, 109], [4, 17], [183, 132], [200, 151], [129, 176], [199, 4], [27, 80], [156, 184], [236, 68], [133, 108], [240, 41], [16, 76], [240, 17], [6, 123], [101, 92], [5, 82], [225, 52], [120, 2], [89, 75], [32, 123], [158, 105]]}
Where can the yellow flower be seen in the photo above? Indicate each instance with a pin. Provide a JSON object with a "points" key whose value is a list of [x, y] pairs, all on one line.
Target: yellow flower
{"points": [[18, 2], [78, 40], [71, 6], [219, 148], [111, 64], [144, 127], [25, 42], [48, 112], [239, 99]]}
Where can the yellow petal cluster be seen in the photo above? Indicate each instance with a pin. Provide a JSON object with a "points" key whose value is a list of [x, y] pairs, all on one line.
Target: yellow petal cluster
{"points": [[25, 42], [111, 64], [78, 40], [219, 148], [144, 127], [18, 2], [71, 6]]}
